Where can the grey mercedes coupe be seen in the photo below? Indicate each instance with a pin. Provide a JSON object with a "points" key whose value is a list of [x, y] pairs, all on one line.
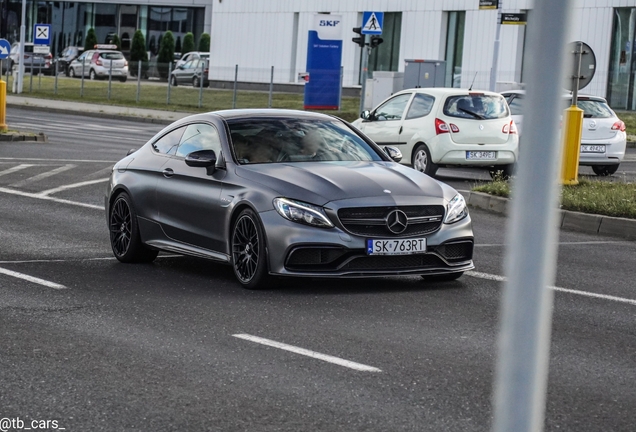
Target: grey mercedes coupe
{"points": [[284, 193]]}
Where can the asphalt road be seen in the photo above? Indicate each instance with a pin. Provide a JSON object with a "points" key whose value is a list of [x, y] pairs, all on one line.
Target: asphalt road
{"points": [[97, 345]]}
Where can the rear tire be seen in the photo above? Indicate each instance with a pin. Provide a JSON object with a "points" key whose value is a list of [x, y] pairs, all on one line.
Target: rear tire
{"points": [[195, 82], [422, 162], [125, 239], [443, 277], [605, 170], [123, 79], [173, 81], [249, 252], [92, 75]]}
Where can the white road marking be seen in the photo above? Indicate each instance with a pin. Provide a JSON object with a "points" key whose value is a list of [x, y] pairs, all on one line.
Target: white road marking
{"points": [[103, 172], [15, 168], [56, 160], [48, 198], [43, 175], [498, 278], [598, 242], [31, 279], [36, 261], [308, 353], [70, 186]]}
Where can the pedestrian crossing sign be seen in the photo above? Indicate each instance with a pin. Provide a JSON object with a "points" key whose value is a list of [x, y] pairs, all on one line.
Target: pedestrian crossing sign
{"points": [[372, 23]]}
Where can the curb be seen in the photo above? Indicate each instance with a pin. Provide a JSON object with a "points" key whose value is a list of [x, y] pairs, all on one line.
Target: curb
{"points": [[569, 220], [21, 137]]}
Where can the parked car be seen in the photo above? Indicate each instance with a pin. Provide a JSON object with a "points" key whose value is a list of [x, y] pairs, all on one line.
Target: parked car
{"points": [[440, 127], [190, 73], [192, 55], [284, 193], [39, 63], [603, 139], [67, 55], [98, 63]]}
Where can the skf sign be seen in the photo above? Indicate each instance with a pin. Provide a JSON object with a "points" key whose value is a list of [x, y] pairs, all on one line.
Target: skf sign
{"points": [[328, 23]]}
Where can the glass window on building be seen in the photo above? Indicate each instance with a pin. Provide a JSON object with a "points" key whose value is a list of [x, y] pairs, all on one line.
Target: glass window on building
{"points": [[454, 48], [620, 83], [386, 56]]}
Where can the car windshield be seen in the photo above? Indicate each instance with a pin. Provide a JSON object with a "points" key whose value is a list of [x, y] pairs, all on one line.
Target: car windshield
{"points": [[296, 140], [476, 106], [111, 55]]}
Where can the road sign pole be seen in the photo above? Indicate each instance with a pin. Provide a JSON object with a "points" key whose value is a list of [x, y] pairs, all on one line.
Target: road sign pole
{"points": [[22, 43], [495, 54], [573, 128], [365, 66]]}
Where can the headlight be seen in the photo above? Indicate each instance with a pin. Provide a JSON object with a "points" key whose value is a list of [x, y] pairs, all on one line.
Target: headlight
{"points": [[456, 209], [302, 212]]}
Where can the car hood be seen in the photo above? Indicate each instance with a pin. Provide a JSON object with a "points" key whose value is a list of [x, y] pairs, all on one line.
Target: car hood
{"points": [[322, 182]]}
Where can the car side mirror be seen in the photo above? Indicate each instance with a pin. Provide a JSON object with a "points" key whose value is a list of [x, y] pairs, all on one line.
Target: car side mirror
{"points": [[201, 158], [131, 151], [394, 153], [366, 115]]}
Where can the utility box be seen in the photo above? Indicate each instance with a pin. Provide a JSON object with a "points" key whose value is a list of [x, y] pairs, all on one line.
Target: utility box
{"points": [[424, 73], [381, 86]]}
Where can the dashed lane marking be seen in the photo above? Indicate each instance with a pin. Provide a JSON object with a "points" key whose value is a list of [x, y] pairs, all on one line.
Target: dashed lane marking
{"points": [[498, 278], [313, 354], [70, 186], [43, 175], [31, 279], [48, 198], [15, 169]]}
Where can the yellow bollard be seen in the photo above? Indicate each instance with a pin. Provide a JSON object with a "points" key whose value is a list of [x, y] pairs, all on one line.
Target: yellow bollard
{"points": [[572, 130], [3, 106]]}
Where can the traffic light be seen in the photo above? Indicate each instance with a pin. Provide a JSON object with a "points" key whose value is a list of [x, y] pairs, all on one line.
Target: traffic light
{"points": [[360, 39], [375, 41]]}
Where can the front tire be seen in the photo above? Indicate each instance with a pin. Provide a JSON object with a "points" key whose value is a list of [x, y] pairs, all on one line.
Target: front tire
{"points": [[604, 170], [173, 81], [249, 253], [71, 72], [422, 162], [195, 82], [125, 239]]}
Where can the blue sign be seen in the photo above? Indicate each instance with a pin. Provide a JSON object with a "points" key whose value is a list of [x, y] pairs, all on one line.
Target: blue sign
{"points": [[372, 23], [5, 49], [42, 34], [324, 60]]}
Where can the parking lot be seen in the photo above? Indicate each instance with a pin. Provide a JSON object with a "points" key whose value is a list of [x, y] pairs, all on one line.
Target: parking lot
{"points": [[177, 345]]}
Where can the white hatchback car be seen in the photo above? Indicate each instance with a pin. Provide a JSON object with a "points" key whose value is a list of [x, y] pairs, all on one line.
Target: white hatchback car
{"points": [[439, 127], [603, 139]]}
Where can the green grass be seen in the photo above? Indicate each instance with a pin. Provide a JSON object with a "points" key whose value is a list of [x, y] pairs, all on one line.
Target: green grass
{"points": [[154, 95], [589, 196]]}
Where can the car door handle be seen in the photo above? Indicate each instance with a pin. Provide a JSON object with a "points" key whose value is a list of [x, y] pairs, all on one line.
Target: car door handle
{"points": [[168, 172]]}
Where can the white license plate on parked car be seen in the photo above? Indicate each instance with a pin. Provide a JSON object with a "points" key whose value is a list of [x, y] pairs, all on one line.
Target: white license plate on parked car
{"points": [[592, 149], [481, 155], [396, 247]]}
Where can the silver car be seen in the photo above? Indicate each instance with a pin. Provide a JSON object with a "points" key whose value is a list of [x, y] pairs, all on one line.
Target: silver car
{"points": [[100, 63], [603, 139], [284, 193]]}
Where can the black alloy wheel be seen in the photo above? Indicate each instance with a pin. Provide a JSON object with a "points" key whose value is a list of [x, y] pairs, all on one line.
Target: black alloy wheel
{"points": [[71, 72], [249, 256], [124, 233], [604, 170]]}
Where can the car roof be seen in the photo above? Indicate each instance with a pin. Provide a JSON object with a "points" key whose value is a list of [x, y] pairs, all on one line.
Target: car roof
{"points": [[447, 91], [565, 95], [255, 113]]}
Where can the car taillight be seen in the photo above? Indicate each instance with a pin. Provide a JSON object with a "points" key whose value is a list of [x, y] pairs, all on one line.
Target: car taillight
{"points": [[98, 62], [205, 71], [453, 128], [48, 56], [125, 63], [509, 128], [440, 127], [619, 125]]}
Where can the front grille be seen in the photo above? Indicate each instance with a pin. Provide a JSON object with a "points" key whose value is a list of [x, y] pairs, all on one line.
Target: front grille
{"points": [[399, 262], [371, 221], [457, 251]]}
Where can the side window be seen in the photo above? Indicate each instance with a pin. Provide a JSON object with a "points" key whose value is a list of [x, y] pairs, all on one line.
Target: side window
{"points": [[199, 136], [188, 65], [393, 109], [168, 143], [421, 106]]}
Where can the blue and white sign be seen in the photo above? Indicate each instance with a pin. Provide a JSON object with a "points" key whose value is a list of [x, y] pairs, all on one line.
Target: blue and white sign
{"points": [[372, 23], [5, 49], [42, 34], [324, 60]]}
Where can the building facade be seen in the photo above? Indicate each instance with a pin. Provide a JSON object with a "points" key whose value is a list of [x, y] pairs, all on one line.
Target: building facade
{"points": [[256, 35]]}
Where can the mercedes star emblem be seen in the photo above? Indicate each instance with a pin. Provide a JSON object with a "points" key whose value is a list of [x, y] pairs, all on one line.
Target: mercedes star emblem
{"points": [[396, 221]]}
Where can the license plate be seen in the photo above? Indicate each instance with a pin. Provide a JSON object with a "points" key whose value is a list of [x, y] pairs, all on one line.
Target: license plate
{"points": [[592, 149], [396, 247], [481, 155]]}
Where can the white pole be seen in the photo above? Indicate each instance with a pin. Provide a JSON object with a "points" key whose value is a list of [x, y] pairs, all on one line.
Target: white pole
{"points": [[495, 52], [532, 233], [22, 42]]}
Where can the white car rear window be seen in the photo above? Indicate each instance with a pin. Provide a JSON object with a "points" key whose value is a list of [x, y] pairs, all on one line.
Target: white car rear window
{"points": [[476, 106]]}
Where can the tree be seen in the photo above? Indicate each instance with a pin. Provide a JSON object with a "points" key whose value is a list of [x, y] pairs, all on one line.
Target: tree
{"points": [[91, 39], [138, 54], [188, 43], [177, 45], [166, 54], [204, 42]]}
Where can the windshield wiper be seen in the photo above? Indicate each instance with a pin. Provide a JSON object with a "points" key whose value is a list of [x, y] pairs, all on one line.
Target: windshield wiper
{"points": [[474, 114]]}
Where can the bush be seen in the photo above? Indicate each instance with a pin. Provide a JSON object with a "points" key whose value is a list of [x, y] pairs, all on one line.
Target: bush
{"points": [[204, 42], [138, 54], [188, 44], [166, 54], [91, 39]]}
